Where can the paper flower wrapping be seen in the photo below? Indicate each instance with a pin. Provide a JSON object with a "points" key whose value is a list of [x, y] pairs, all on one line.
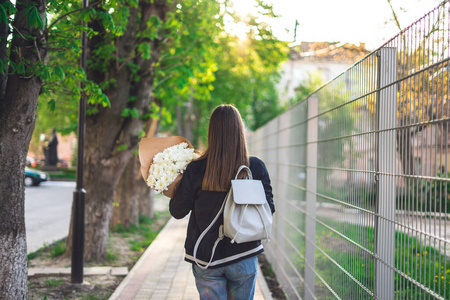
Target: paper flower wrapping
{"points": [[168, 165], [167, 162]]}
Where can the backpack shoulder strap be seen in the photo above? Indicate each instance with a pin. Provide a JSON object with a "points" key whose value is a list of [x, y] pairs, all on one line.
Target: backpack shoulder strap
{"points": [[247, 169], [202, 235]]}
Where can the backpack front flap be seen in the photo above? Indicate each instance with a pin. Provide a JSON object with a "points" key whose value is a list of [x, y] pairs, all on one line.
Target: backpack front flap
{"points": [[248, 191]]}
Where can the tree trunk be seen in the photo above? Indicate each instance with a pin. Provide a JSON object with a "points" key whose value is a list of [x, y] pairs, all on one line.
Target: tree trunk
{"points": [[18, 103], [189, 119], [186, 119], [146, 200], [101, 181], [146, 195], [126, 206], [180, 121], [107, 132], [133, 196], [197, 139]]}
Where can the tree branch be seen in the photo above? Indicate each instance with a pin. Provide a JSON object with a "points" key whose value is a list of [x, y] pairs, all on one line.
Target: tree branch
{"points": [[397, 21], [37, 50], [130, 56], [71, 12], [395, 16], [155, 86], [186, 50], [15, 28]]}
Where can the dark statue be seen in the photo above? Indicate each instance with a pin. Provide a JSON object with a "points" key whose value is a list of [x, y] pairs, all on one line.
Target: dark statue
{"points": [[50, 151]]}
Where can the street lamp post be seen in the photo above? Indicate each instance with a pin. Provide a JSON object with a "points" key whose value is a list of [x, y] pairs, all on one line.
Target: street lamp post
{"points": [[79, 193]]}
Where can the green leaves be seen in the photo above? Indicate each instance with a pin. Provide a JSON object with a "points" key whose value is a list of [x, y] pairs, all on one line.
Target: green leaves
{"points": [[153, 112], [6, 9], [3, 66], [59, 73], [96, 95], [127, 112], [145, 50], [51, 104], [34, 18], [121, 147], [3, 15], [44, 73], [187, 65], [20, 68]]}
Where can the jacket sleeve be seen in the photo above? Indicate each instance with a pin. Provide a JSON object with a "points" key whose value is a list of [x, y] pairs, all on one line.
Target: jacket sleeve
{"points": [[265, 179], [183, 201]]}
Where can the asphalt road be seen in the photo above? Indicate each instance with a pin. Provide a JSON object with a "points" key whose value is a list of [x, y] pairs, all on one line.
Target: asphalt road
{"points": [[47, 213]]}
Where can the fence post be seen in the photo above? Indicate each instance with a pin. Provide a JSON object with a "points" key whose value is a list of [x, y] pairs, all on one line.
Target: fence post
{"points": [[385, 167], [311, 190]]}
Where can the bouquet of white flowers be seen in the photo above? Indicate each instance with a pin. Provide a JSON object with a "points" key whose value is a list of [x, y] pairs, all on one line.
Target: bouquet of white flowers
{"points": [[168, 165], [163, 161]]}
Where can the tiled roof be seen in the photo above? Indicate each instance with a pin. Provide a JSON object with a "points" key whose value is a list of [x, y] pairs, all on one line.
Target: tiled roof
{"points": [[335, 51]]}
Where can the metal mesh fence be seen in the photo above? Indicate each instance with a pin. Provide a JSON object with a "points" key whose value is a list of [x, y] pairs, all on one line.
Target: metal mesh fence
{"points": [[361, 175]]}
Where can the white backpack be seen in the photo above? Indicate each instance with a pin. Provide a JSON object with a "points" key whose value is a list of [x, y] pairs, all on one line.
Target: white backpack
{"points": [[246, 214]]}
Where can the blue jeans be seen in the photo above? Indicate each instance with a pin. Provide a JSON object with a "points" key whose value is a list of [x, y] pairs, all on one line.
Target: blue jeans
{"points": [[232, 282]]}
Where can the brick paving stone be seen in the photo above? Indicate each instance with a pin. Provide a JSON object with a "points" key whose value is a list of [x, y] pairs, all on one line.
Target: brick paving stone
{"points": [[158, 296], [176, 290], [177, 283], [174, 297], [141, 297]]}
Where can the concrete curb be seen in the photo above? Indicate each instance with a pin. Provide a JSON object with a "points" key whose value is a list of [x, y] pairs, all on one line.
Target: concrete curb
{"points": [[94, 271], [263, 285]]}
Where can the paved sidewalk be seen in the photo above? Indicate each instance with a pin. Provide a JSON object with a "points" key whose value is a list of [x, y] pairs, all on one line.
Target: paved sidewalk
{"points": [[162, 273]]}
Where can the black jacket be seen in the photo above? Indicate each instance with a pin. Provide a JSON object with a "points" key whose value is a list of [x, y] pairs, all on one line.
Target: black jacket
{"points": [[204, 206]]}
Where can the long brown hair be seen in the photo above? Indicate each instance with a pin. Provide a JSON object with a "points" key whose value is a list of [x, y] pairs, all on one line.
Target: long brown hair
{"points": [[227, 148]]}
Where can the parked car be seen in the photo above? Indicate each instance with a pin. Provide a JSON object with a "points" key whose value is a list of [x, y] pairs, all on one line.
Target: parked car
{"points": [[34, 177]]}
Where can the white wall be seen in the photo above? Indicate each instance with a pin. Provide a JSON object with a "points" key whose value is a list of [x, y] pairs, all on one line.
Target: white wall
{"points": [[296, 71]]}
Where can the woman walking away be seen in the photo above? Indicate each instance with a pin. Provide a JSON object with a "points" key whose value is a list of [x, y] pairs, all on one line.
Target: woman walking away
{"points": [[202, 190]]}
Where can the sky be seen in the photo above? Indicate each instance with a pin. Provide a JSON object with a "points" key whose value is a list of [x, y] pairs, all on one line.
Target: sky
{"points": [[367, 21]]}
